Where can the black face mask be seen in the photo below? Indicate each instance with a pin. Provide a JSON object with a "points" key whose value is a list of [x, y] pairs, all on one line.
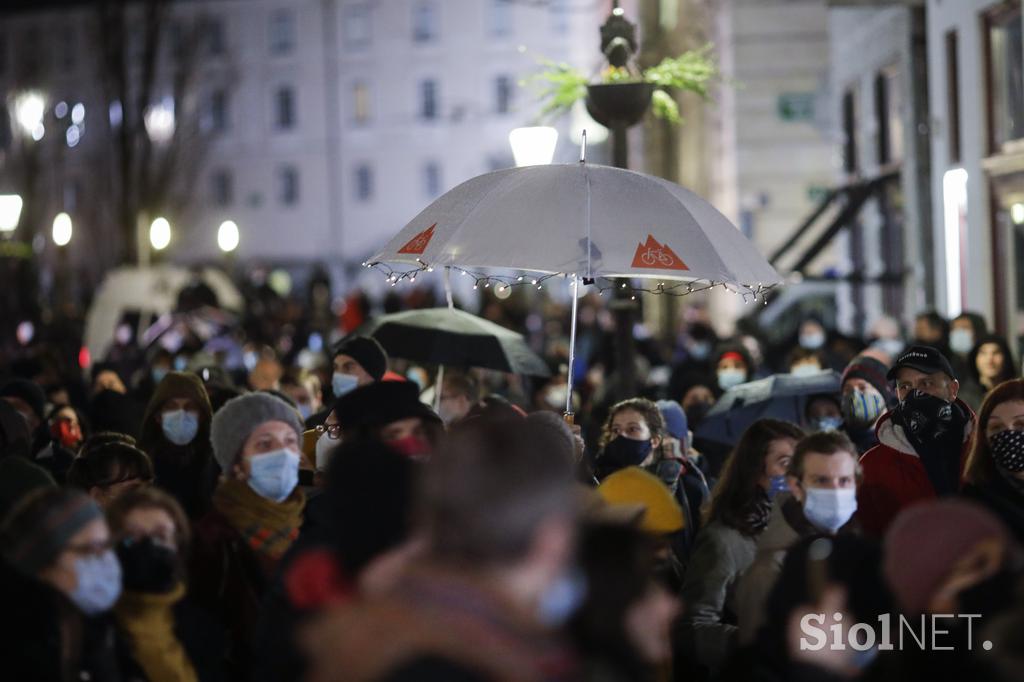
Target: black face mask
{"points": [[1008, 450], [622, 452], [147, 566], [926, 418], [696, 412]]}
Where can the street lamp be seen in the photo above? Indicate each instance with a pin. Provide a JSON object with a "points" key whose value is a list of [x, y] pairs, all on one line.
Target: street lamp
{"points": [[160, 234], [29, 108], [227, 236], [159, 121], [10, 212], [62, 229], [533, 145]]}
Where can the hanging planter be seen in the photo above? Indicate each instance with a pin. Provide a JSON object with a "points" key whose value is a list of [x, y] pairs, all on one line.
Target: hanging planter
{"points": [[618, 105]]}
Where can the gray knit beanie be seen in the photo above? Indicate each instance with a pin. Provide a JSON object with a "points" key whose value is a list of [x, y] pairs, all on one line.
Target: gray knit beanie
{"points": [[240, 416]]}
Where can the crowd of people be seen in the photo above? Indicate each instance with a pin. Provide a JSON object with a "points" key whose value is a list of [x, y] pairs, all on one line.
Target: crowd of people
{"points": [[176, 519]]}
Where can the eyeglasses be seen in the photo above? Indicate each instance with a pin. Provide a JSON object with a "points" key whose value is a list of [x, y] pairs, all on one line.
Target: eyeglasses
{"points": [[333, 431]]}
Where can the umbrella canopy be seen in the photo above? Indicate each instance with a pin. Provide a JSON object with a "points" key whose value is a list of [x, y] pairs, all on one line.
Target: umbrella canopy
{"points": [[589, 220], [454, 338], [174, 330], [151, 292], [780, 396]]}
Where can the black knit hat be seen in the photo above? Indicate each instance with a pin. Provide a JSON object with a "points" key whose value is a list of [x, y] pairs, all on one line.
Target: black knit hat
{"points": [[367, 352], [381, 403]]}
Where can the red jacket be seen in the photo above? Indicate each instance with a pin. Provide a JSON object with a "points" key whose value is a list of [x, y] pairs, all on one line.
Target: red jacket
{"points": [[894, 476]]}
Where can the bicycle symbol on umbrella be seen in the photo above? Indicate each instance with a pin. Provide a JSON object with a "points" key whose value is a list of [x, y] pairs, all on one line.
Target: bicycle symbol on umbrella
{"points": [[653, 256]]}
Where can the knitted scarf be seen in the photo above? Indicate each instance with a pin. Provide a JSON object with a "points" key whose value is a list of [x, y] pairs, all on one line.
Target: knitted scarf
{"points": [[148, 621], [268, 527]]}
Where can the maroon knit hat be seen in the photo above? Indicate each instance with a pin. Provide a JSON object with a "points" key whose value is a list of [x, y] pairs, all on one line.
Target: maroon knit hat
{"points": [[925, 542], [872, 371]]}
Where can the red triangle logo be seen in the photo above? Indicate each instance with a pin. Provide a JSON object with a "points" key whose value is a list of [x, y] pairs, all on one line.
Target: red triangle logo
{"points": [[657, 256], [418, 244]]}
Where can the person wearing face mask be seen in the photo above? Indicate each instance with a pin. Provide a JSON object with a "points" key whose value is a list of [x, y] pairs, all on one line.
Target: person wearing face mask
{"points": [[994, 475], [65, 427], [739, 511], [922, 441], [304, 388], [965, 330], [822, 412], [254, 518], [866, 395], [459, 394], [176, 436], [498, 515], [111, 407], [804, 362], [58, 579], [169, 638], [732, 368], [821, 500], [391, 412]]}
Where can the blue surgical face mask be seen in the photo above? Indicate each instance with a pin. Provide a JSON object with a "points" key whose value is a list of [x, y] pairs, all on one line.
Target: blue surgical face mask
{"points": [[805, 370], [776, 485], [812, 341], [826, 423], [561, 599], [727, 378], [343, 383], [306, 410], [700, 350], [98, 583], [961, 341], [891, 347], [274, 475], [179, 426], [830, 508]]}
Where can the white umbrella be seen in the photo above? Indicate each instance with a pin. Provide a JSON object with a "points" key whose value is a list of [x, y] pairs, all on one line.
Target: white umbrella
{"points": [[582, 221], [149, 291]]}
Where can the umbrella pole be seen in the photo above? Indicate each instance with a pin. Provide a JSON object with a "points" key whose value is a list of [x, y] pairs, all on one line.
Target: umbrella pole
{"points": [[438, 383], [572, 348], [448, 287]]}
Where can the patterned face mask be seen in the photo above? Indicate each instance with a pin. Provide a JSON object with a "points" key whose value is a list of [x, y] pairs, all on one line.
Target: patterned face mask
{"points": [[1008, 450]]}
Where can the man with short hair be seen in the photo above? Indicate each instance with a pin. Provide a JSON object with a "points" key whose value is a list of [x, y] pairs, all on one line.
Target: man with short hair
{"points": [[498, 513], [922, 441], [358, 361], [822, 478]]}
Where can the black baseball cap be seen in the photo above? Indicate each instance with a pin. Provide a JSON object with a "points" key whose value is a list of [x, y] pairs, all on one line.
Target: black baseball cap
{"points": [[922, 358]]}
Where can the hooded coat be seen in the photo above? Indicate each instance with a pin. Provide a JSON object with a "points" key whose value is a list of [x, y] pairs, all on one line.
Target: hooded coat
{"points": [[188, 472], [894, 475]]}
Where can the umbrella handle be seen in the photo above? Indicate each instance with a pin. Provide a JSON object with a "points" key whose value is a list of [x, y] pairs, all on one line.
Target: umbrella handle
{"points": [[572, 347], [438, 383]]}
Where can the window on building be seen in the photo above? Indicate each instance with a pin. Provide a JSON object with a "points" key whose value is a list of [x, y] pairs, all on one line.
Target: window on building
{"points": [[282, 31], [288, 185], [364, 182], [559, 11], [356, 25], [360, 102], [889, 115], [499, 18], [1005, 70], [428, 99], [284, 108], [424, 21], [502, 94], [849, 114], [222, 187], [214, 38], [215, 117], [432, 179], [953, 96]]}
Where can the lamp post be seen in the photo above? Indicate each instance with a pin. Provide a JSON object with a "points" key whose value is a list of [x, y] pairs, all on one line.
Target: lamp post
{"points": [[228, 237], [619, 106], [533, 145], [10, 213], [159, 235]]}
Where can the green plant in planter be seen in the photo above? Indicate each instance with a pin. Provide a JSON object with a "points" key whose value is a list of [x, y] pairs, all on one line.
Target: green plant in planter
{"points": [[562, 85]]}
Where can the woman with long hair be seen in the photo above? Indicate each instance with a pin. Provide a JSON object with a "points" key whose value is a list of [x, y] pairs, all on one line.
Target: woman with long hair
{"points": [[989, 364], [738, 512], [994, 475]]}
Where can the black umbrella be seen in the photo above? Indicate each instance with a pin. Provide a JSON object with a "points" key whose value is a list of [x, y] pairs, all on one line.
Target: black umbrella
{"points": [[780, 396], [454, 338]]}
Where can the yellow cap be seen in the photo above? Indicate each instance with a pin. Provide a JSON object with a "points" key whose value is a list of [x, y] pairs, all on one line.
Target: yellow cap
{"points": [[634, 486]]}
